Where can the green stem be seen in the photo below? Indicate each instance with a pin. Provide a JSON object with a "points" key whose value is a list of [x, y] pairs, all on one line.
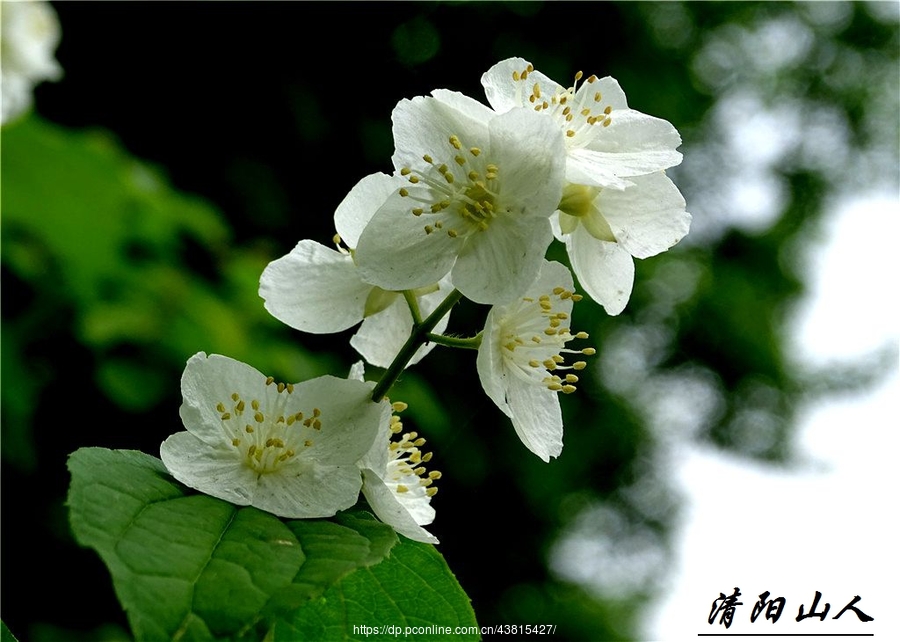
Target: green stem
{"points": [[418, 336], [471, 343], [413, 304]]}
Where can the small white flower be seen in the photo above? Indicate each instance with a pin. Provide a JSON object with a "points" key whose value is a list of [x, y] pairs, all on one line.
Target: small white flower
{"points": [[606, 142], [317, 289], [396, 483], [521, 363], [29, 34], [604, 228], [477, 203], [289, 449]]}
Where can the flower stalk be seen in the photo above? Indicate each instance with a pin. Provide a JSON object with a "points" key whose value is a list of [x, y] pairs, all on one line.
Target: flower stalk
{"points": [[418, 336]]}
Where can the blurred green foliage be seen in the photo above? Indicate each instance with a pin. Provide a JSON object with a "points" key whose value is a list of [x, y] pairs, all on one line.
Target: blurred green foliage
{"points": [[113, 275]]}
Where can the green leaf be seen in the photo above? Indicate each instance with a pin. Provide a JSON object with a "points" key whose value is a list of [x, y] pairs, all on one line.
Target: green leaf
{"points": [[412, 594], [188, 566], [5, 634]]}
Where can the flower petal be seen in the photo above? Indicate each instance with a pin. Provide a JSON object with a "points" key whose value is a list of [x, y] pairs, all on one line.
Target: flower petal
{"points": [[395, 253], [387, 508], [209, 469], [536, 416], [350, 420], [647, 218], [304, 491], [604, 269], [498, 265], [314, 289], [360, 205]]}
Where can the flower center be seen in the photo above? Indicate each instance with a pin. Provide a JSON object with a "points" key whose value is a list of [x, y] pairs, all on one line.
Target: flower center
{"points": [[534, 335], [577, 110], [262, 435], [460, 201]]}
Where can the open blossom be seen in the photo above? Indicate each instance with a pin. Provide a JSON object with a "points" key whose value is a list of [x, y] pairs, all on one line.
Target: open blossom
{"points": [[521, 364], [604, 228], [396, 483], [289, 449], [29, 34], [607, 143], [476, 205], [319, 290]]}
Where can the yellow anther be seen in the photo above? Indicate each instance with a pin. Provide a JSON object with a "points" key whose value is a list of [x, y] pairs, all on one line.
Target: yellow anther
{"points": [[592, 79], [536, 91], [566, 111], [226, 416], [475, 151], [254, 404], [417, 211], [582, 335], [317, 412], [557, 358], [281, 387], [570, 378], [270, 381], [308, 422], [290, 388], [597, 96], [472, 176], [220, 407], [404, 191], [248, 429], [251, 450], [589, 351], [460, 160], [235, 442], [399, 406], [550, 364], [568, 389], [426, 482], [579, 365], [550, 331], [416, 457], [555, 387], [534, 363], [259, 417], [607, 122], [239, 408], [419, 470], [426, 457], [235, 396], [405, 171], [431, 492], [402, 489], [413, 179], [317, 424], [429, 229], [449, 178], [428, 159], [307, 443], [452, 234], [419, 442], [515, 75], [585, 112], [454, 140], [435, 474]]}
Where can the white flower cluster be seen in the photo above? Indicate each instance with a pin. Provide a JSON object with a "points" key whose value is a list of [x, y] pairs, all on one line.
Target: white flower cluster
{"points": [[477, 196]]}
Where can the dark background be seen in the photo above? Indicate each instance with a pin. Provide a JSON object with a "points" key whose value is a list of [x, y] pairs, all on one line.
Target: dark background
{"points": [[271, 112]]}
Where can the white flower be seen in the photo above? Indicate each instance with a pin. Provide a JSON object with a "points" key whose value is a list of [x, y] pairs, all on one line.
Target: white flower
{"points": [[520, 360], [289, 449], [317, 289], [396, 483], [603, 228], [477, 204], [29, 34], [606, 142]]}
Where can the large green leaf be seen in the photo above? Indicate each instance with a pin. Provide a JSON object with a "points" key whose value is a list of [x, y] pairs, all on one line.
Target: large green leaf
{"points": [[411, 594], [191, 567]]}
